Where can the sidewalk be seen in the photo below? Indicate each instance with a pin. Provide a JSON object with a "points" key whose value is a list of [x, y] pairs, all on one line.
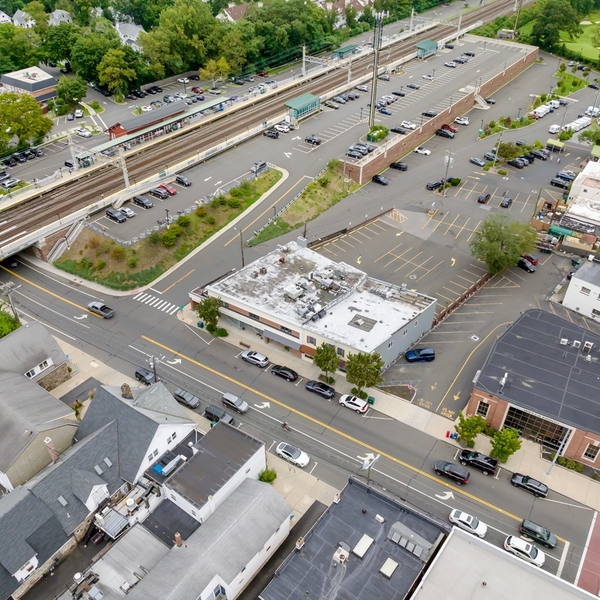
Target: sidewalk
{"points": [[527, 460]]}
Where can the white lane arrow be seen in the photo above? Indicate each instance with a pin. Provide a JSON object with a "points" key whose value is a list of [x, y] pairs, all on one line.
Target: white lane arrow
{"points": [[218, 182], [263, 405], [288, 154], [369, 456], [445, 496], [174, 362], [208, 178], [81, 317], [296, 138]]}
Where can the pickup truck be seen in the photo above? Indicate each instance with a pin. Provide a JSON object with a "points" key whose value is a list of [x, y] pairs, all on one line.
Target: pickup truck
{"points": [[486, 464], [100, 309]]}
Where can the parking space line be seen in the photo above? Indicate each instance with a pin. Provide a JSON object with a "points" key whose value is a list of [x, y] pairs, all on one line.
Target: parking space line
{"points": [[473, 232], [469, 281], [338, 247], [408, 261], [451, 224], [359, 231], [388, 253], [343, 239], [376, 224], [419, 266], [462, 228], [430, 270]]}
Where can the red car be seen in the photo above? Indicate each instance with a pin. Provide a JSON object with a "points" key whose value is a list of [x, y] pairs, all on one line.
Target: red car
{"points": [[197, 90], [533, 116], [451, 128], [168, 188], [531, 258], [262, 74]]}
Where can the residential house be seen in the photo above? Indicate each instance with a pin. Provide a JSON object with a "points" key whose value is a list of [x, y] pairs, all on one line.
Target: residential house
{"points": [[339, 8], [129, 32], [59, 16], [4, 18], [22, 19], [233, 12]]}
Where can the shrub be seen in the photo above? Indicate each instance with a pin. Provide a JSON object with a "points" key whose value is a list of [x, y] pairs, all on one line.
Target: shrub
{"points": [[184, 220], [106, 248], [99, 265], [487, 167], [210, 220], [502, 172], [235, 192], [324, 181], [86, 263], [201, 211], [222, 332], [455, 181], [169, 238], [94, 242], [245, 187], [333, 164], [176, 230], [154, 237], [118, 253], [95, 104], [492, 125], [133, 262], [234, 203], [222, 201], [267, 476]]}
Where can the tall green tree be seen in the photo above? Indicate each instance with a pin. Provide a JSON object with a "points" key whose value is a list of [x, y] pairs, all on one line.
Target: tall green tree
{"points": [[115, 73], [8, 321], [37, 11], [500, 241], [468, 428], [505, 443], [58, 41], [554, 16], [209, 310], [71, 90], [364, 370], [509, 150], [327, 359], [87, 53], [21, 117], [591, 135], [215, 70], [143, 12], [19, 46]]}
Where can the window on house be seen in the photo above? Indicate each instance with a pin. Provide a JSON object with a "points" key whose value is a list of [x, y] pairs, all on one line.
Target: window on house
{"points": [[596, 313], [340, 352], [391, 344], [286, 330], [224, 304], [155, 453], [41, 367], [591, 452], [253, 316], [482, 409], [150, 456], [331, 345], [169, 440], [585, 291], [311, 340]]}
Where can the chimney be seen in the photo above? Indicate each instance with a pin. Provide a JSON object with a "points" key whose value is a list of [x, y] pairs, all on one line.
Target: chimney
{"points": [[178, 540], [126, 391], [54, 455]]}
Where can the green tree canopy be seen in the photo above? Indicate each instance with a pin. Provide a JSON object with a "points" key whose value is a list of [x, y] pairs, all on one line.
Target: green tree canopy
{"points": [[554, 16], [71, 90], [37, 11], [115, 73], [327, 359], [215, 70], [468, 428], [87, 53], [591, 135], [505, 443], [209, 310], [364, 370], [19, 46], [8, 322], [143, 12], [500, 241], [21, 117], [509, 151], [58, 41]]}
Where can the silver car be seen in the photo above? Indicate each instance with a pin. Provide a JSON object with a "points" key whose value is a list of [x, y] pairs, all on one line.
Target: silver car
{"points": [[255, 358]]}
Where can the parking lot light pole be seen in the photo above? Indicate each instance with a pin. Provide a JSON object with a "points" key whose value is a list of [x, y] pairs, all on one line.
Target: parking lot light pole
{"points": [[448, 161], [498, 147], [376, 47]]}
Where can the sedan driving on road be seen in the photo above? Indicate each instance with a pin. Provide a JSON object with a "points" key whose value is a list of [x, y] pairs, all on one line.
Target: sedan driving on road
{"points": [[459, 474], [285, 372], [292, 454], [524, 550], [421, 150], [255, 358], [354, 403], [468, 523], [533, 486], [322, 389], [100, 309]]}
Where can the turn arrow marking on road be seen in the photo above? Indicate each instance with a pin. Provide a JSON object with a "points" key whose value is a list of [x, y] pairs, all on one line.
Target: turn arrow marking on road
{"points": [[263, 405], [174, 362], [445, 496], [288, 154], [81, 317]]}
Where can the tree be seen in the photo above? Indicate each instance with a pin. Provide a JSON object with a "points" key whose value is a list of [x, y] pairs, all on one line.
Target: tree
{"points": [[38, 13], [500, 242], [58, 41], [563, 66], [509, 151], [19, 45], [327, 359], [505, 443], [595, 35], [364, 370], [209, 311], [350, 15], [565, 134], [554, 16], [71, 90], [114, 72], [87, 53], [591, 135], [8, 322], [468, 428], [215, 70], [21, 117]]}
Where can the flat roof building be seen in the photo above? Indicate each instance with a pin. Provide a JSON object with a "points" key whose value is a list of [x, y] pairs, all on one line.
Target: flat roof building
{"points": [[301, 299], [32, 81]]}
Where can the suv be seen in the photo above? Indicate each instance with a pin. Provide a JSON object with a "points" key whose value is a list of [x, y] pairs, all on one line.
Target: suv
{"points": [[183, 180], [116, 215], [486, 464], [186, 398], [536, 532], [535, 487], [145, 376], [445, 133], [216, 414], [143, 201], [255, 358], [456, 472], [484, 198], [159, 193]]}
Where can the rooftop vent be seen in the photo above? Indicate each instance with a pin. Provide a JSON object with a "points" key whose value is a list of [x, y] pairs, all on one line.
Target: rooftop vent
{"points": [[62, 501], [254, 274], [300, 543], [341, 555], [587, 346], [564, 342], [380, 519], [263, 270], [576, 343]]}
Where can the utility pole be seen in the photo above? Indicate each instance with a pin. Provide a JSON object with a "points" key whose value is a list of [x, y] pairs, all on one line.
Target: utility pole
{"points": [[303, 61], [377, 33], [497, 149], [412, 18], [448, 160], [154, 361], [5, 290], [242, 243], [518, 9]]}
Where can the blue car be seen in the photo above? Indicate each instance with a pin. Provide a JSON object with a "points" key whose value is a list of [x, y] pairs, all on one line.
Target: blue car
{"points": [[420, 354], [385, 111]]}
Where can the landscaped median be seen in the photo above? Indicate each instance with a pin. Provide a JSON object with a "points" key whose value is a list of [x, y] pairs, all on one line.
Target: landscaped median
{"points": [[96, 258]]}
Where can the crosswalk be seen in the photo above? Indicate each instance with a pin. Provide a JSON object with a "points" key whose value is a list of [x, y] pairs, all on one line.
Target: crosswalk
{"points": [[155, 302]]}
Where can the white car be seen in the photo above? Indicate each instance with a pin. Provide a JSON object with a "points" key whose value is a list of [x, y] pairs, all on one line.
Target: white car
{"points": [[362, 88], [281, 127], [384, 77], [183, 80], [421, 150], [78, 113], [408, 125], [292, 454], [451, 64], [127, 212], [524, 550], [146, 108], [428, 77], [462, 120], [82, 132], [467, 522], [354, 403]]}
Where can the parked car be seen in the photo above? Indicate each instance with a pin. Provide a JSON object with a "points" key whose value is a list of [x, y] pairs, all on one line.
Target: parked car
{"points": [[399, 130], [486, 464], [145, 376], [429, 113], [183, 180], [399, 166], [197, 90], [445, 133], [384, 77], [100, 309], [420, 355], [322, 389], [271, 133], [367, 147], [490, 156], [78, 113], [313, 139], [234, 402], [427, 76], [530, 485], [413, 86], [255, 358], [468, 523], [457, 473], [524, 550], [532, 258], [70, 117], [354, 403], [83, 132], [477, 161], [566, 175], [116, 215], [171, 190], [143, 201], [380, 179], [354, 154], [384, 111], [452, 128], [362, 88], [421, 150], [526, 265], [284, 372], [451, 64], [408, 125], [515, 162], [490, 101], [186, 398], [399, 93], [560, 183], [449, 46], [536, 532], [159, 192], [292, 454], [216, 414], [469, 53], [506, 202], [10, 183], [282, 128], [462, 120], [127, 212], [434, 185], [484, 198], [332, 104]]}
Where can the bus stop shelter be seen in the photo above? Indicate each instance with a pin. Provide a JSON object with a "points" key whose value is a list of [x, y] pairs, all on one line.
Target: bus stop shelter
{"points": [[303, 106], [555, 145], [426, 48], [345, 51]]}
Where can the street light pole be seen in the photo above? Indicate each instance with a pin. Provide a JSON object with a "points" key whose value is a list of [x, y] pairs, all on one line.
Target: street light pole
{"points": [[448, 163]]}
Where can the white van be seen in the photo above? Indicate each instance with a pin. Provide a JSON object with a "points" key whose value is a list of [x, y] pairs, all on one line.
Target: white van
{"points": [[554, 128], [592, 111], [554, 103], [542, 111]]}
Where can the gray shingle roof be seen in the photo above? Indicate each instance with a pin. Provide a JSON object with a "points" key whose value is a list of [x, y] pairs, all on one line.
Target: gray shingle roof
{"points": [[155, 116], [65, 477], [27, 527], [138, 420], [224, 545], [27, 347], [26, 409]]}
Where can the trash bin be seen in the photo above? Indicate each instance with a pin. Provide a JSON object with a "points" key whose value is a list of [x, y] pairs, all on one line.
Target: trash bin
{"points": [[200, 324], [371, 400]]}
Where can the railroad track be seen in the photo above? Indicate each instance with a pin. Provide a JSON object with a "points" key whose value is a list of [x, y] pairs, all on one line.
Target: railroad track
{"points": [[74, 195]]}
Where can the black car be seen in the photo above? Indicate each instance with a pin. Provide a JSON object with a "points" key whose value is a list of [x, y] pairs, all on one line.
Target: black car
{"points": [[469, 53], [490, 101], [533, 486], [145, 376], [560, 183], [380, 179], [29, 155], [484, 198], [434, 185], [400, 94], [506, 202], [429, 113], [143, 201], [536, 532], [9, 162], [520, 143], [413, 86], [449, 46], [526, 265], [541, 154], [461, 60], [186, 398], [20, 157], [486, 464], [445, 133], [284, 372], [399, 166], [354, 154], [183, 180], [313, 139], [322, 389], [159, 193], [116, 215], [525, 162], [271, 133], [238, 81], [399, 130], [459, 474], [515, 162], [529, 156], [594, 86]]}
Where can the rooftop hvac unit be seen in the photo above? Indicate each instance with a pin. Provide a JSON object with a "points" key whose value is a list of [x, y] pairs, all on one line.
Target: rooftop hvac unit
{"points": [[254, 274], [130, 504], [302, 310], [576, 343], [588, 358], [587, 346], [293, 292], [340, 556], [263, 270], [564, 341]]}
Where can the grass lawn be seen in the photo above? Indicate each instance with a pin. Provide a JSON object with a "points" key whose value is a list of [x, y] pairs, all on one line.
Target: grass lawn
{"points": [[96, 258], [584, 44], [569, 83]]}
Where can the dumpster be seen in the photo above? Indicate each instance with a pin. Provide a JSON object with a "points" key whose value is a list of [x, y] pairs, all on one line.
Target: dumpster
{"points": [[200, 325], [371, 400]]}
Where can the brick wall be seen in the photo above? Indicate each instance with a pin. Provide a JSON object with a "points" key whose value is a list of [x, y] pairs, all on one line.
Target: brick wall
{"points": [[43, 247]]}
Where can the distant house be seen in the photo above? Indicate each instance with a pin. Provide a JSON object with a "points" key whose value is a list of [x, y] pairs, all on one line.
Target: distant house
{"points": [[129, 32], [340, 6], [4, 18], [59, 16], [22, 19], [32, 81], [233, 12]]}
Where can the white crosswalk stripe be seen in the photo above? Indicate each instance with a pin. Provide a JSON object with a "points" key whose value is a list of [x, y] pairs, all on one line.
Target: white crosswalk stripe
{"points": [[158, 303]]}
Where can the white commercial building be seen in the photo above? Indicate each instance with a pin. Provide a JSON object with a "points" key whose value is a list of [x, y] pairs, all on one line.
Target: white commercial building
{"points": [[584, 196], [583, 293]]}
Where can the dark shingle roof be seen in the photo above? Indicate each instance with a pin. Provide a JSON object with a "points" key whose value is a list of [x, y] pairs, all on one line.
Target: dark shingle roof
{"points": [[150, 118], [544, 376]]}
